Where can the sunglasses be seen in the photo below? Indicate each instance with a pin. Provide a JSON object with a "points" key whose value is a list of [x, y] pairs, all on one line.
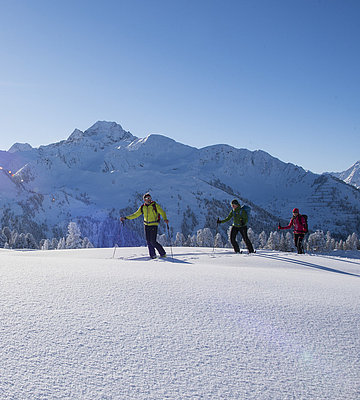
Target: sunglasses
{"points": [[147, 197]]}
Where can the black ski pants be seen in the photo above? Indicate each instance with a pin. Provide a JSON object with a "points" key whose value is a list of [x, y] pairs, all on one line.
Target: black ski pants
{"points": [[150, 236], [298, 239], [243, 230]]}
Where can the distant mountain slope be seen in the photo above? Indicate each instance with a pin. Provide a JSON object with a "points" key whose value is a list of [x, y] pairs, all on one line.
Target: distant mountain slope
{"points": [[97, 175], [350, 176]]}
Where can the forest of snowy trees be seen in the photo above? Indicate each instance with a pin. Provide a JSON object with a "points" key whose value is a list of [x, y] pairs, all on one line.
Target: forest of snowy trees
{"points": [[13, 240], [314, 242]]}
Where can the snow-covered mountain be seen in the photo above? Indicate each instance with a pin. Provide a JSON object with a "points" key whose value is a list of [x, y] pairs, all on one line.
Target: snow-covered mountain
{"points": [[97, 175], [350, 176]]}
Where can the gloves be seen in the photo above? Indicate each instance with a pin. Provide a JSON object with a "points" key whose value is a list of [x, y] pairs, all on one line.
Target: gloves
{"points": [[218, 221], [279, 227]]}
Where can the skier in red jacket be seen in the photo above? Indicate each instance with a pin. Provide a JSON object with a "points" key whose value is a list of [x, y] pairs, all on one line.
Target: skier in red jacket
{"points": [[300, 229]]}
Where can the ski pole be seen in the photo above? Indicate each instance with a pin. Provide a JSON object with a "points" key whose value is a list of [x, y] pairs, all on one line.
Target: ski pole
{"points": [[114, 250], [172, 256], [122, 223], [216, 232]]}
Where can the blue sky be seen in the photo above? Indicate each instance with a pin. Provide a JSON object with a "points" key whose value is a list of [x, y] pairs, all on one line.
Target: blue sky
{"points": [[277, 75]]}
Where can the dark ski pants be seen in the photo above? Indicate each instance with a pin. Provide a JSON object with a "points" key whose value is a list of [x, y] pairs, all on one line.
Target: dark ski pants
{"points": [[150, 235], [243, 230], [298, 239]]}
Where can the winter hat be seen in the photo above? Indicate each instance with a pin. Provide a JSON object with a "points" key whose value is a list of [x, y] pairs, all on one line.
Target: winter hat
{"points": [[146, 195], [235, 202], [296, 210]]}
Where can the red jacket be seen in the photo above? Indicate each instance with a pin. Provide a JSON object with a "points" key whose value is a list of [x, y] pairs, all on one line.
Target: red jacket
{"points": [[299, 224]]}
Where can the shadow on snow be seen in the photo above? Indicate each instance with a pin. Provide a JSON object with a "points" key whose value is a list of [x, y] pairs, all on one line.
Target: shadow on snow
{"points": [[146, 258], [307, 264]]}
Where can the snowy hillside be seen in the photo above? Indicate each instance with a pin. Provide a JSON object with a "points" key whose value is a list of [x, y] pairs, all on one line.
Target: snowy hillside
{"points": [[98, 175], [79, 324], [350, 176]]}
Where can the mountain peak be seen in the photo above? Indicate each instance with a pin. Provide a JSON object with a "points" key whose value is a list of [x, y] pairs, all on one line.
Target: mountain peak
{"points": [[20, 147], [76, 135], [104, 131], [351, 176], [110, 130]]}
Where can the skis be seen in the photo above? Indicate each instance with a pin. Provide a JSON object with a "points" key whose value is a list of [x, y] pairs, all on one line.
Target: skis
{"points": [[158, 258]]}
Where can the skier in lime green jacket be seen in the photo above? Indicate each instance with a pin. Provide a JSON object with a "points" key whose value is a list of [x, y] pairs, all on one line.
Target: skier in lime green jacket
{"points": [[151, 212]]}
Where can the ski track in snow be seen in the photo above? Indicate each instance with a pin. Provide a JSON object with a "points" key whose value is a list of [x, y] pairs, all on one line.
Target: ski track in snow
{"points": [[79, 324]]}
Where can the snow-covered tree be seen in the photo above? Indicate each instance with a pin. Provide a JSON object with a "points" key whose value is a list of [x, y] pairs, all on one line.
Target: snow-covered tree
{"points": [[73, 239], [45, 245], [218, 242], [316, 241], [54, 244], [190, 241], [61, 244], [282, 243], [199, 237], [329, 242], [86, 244], [13, 239], [187, 242], [339, 245], [18, 241], [3, 240], [204, 238], [254, 239], [30, 242], [228, 244], [352, 242], [193, 241], [179, 239], [289, 241], [162, 239], [6, 231], [262, 240], [273, 241]]}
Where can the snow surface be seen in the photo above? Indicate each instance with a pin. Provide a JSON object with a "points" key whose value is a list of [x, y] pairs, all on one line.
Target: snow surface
{"points": [[79, 324]]}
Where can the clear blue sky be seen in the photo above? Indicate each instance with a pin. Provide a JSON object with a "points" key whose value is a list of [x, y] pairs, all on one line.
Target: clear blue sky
{"points": [[277, 75]]}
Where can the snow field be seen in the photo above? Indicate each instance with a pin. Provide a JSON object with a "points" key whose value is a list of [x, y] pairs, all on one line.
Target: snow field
{"points": [[77, 324]]}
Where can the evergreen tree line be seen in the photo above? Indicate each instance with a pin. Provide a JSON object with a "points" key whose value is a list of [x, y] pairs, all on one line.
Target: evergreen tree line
{"points": [[14, 240], [315, 242]]}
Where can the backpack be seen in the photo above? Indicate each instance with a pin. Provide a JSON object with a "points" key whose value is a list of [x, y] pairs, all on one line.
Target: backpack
{"points": [[247, 209], [155, 210], [305, 225]]}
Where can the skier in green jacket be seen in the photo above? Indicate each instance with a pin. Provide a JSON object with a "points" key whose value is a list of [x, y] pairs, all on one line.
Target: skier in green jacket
{"points": [[239, 225]]}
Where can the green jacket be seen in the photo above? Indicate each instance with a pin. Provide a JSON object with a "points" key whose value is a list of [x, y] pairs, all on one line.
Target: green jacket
{"points": [[151, 213], [240, 217]]}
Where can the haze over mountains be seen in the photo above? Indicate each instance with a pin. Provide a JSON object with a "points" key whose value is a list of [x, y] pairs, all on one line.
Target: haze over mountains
{"points": [[98, 175]]}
